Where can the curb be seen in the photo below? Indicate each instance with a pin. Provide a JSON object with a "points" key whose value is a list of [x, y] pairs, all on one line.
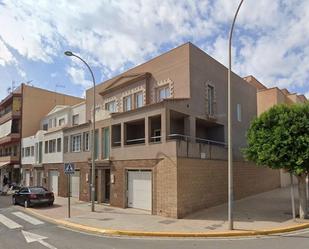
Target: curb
{"points": [[113, 232]]}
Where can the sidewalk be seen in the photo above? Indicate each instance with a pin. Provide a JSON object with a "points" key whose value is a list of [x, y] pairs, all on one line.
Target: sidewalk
{"points": [[268, 210]]}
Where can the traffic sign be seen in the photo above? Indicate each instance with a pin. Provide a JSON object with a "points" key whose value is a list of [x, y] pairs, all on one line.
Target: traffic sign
{"points": [[69, 168]]}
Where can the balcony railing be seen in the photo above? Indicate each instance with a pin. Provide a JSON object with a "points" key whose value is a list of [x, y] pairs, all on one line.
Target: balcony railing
{"points": [[193, 147], [8, 116], [135, 141], [9, 158], [13, 137]]}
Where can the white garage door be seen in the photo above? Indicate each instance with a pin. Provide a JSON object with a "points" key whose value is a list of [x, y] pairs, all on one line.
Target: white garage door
{"points": [[75, 184], [27, 178], [140, 189], [53, 181]]}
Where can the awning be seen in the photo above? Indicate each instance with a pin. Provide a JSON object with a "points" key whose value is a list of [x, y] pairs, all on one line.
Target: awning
{"points": [[3, 164]]}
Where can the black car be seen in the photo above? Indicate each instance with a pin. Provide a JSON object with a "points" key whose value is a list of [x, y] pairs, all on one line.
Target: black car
{"points": [[30, 196]]}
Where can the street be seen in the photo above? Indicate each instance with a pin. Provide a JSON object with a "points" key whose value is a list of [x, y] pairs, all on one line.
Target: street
{"points": [[20, 230]]}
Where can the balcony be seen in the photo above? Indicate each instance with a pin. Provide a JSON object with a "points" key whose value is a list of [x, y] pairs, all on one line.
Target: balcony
{"points": [[10, 159], [13, 137], [192, 147], [8, 116]]}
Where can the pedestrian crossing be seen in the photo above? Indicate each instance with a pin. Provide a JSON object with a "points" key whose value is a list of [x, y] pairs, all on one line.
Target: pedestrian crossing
{"points": [[20, 216]]}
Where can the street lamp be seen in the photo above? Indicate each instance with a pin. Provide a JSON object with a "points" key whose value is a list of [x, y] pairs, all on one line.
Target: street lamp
{"points": [[229, 128], [69, 53]]}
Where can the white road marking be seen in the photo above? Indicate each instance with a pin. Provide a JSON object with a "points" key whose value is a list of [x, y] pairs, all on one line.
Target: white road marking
{"points": [[32, 237], [8, 222], [28, 218]]}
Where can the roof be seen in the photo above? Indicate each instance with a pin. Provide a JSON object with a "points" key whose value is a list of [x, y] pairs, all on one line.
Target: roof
{"points": [[57, 108], [121, 80]]}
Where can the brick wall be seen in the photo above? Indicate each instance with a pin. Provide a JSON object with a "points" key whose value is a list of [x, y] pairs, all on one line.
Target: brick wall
{"points": [[203, 183], [164, 190]]}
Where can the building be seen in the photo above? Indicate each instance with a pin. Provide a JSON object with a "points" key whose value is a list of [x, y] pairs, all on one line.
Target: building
{"points": [[20, 115], [161, 135], [267, 98], [43, 154]]}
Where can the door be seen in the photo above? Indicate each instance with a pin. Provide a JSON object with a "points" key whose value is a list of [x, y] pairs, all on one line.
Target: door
{"points": [[75, 179], [107, 185], [39, 175], [140, 190], [53, 181], [27, 177]]}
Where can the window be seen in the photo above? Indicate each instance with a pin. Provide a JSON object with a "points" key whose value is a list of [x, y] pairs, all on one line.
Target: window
{"points": [[46, 147], [211, 94], [239, 112], [139, 99], [111, 106], [58, 144], [61, 122], [127, 103], [52, 146], [45, 127], [22, 152], [86, 141], [163, 93], [76, 143], [50, 123], [27, 152], [32, 150], [75, 119]]}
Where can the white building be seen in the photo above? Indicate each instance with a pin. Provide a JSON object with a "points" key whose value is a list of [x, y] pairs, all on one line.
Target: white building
{"points": [[47, 145]]}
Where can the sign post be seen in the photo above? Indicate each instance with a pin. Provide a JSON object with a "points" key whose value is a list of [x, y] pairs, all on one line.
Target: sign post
{"points": [[69, 169]]}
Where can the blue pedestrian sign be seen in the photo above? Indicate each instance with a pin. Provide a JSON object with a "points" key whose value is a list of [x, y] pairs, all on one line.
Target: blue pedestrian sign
{"points": [[69, 168]]}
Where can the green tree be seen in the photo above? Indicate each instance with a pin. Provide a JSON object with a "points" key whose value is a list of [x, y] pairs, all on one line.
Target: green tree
{"points": [[279, 139]]}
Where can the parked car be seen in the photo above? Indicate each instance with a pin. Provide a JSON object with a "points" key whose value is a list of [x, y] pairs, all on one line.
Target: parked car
{"points": [[30, 196]]}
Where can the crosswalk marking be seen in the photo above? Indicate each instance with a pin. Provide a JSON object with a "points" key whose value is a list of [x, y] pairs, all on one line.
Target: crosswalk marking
{"points": [[28, 218], [8, 222]]}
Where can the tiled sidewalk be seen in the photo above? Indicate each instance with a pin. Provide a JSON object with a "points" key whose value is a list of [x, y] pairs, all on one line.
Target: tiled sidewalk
{"points": [[263, 211]]}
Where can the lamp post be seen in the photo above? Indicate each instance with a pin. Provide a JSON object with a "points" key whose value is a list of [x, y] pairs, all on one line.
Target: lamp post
{"points": [[92, 185], [229, 129]]}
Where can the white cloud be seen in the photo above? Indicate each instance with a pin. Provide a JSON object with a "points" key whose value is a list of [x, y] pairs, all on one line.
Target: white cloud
{"points": [[6, 56], [77, 76], [307, 95], [271, 39]]}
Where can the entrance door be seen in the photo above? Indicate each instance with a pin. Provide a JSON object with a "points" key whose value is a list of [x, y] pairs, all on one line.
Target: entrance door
{"points": [[53, 181], [107, 185], [140, 189], [39, 175], [75, 179], [27, 177]]}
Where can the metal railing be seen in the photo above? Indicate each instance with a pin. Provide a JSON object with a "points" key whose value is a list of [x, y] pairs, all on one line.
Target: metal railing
{"points": [[135, 141], [196, 139]]}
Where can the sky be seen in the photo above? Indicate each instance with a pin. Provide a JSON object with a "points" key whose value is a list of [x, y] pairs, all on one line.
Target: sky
{"points": [[271, 39]]}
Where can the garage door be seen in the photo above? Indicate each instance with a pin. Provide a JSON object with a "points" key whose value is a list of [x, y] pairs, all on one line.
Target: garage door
{"points": [[75, 184], [27, 179], [140, 189], [53, 181]]}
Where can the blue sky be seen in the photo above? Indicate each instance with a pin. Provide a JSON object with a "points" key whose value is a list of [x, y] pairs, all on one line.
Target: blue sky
{"points": [[271, 39]]}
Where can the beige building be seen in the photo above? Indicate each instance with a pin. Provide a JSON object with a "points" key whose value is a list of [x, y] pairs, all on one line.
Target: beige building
{"points": [[161, 135], [20, 115], [267, 98]]}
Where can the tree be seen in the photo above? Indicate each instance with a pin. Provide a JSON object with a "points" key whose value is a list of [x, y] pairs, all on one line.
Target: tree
{"points": [[279, 139]]}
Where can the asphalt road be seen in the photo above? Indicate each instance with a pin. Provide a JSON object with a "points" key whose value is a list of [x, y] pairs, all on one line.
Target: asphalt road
{"points": [[42, 235]]}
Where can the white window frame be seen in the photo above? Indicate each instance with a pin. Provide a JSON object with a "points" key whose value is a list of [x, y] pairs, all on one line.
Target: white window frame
{"points": [[166, 93], [125, 103], [136, 99], [61, 121], [111, 106], [76, 142], [74, 119]]}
